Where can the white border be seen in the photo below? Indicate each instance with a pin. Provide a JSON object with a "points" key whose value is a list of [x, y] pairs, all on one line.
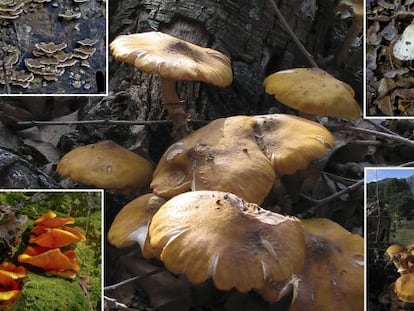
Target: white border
{"points": [[102, 221], [106, 73]]}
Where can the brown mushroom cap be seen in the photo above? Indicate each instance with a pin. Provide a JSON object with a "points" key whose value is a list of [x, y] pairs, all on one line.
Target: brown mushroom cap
{"points": [[130, 225], [313, 91], [291, 142], [222, 155], [172, 58], [404, 287], [216, 234], [333, 274], [106, 165]]}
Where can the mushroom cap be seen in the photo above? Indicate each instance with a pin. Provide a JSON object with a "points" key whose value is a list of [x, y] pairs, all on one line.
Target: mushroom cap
{"points": [[223, 156], [172, 58], [130, 225], [333, 274], [291, 142], [106, 165], [404, 47], [57, 237], [49, 220], [313, 91], [392, 250], [404, 287], [215, 234], [9, 272]]}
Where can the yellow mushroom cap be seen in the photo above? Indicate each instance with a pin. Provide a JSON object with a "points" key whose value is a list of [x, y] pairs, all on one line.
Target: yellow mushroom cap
{"points": [[332, 277], [106, 165], [215, 234], [291, 142], [313, 91], [404, 287], [222, 155], [130, 225], [172, 58], [392, 250]]}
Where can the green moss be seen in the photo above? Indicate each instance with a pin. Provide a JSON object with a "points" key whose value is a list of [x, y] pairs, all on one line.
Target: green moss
{"points": [[41, 293]]}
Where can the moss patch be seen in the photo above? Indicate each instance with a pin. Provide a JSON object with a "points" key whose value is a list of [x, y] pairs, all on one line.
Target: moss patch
{"points": [[41, 293]]}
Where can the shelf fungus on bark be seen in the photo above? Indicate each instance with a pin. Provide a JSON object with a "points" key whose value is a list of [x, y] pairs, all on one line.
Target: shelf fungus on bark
{"points": [[130, 225], [313, 91], [217, 235], [106, 165], [333, 273], [242, 155], [173, 59]]}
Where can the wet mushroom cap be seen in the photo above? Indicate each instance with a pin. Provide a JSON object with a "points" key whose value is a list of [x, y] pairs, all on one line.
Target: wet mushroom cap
{"points": [[204, 234], [130, 225], [313, 91], [222, 155], [404, 287], [333, 274], [172, 58], [106, 165]]}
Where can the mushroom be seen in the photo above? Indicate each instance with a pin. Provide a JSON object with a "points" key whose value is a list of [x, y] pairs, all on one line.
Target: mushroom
{"points": [[173, 59], [214, 234], [399, 256], [9, 284], [404, 47], [404, 287], [49, 220], [313, 91], [130, 225], [106, 165], [56, 237], [242, 155], [332, 277]]}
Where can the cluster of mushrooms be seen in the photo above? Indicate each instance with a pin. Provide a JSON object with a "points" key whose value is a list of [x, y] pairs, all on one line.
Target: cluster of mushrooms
{"points": [[10, 278], [52, 243], [403, 259], [202, 217]]}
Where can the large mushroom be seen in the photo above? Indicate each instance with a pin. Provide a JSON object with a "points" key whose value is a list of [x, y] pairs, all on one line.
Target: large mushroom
{"points": [[173, 59], [242, 155], [214, 234], [106, 165], [313, 91]]}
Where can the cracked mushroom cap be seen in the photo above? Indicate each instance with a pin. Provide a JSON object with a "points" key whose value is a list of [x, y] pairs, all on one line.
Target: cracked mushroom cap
{"points": [[332, 277], [291, 142], [404, 47], [172, 58], [213, 234], [222, 155], [313, 91], [404, 287], [130, 225], [106, 165]]}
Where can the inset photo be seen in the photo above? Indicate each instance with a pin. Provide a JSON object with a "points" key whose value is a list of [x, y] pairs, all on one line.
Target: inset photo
{"points": [[51, 250], [390, 238], [389, 56], [53, 47]]}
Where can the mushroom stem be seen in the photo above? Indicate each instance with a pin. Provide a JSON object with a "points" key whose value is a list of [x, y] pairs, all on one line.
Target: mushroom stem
{"points": [[356, 28], [175, 108], [290, 32]]}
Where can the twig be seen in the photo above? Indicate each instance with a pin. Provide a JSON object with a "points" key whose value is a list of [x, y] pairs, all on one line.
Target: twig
{"points": [[138, 277], [295, 39], [328, 199], [381, 127], [105, 122]]}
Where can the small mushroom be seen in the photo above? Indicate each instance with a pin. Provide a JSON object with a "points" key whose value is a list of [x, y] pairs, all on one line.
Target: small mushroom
{"points": [[404, 287], [332, 277], [173, 59], [313, 91], [130, 225], [106, 165], [399, 256], [10, 275], [214, 234], [404, 47]]}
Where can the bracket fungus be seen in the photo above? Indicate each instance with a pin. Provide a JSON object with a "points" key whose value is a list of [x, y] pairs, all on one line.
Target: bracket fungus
{"points": [[173, 59], [404, 47], [130, 225], [10, 9], [214, 234], [332, 277], [242, 155], [313, 91], [106, 165]]}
